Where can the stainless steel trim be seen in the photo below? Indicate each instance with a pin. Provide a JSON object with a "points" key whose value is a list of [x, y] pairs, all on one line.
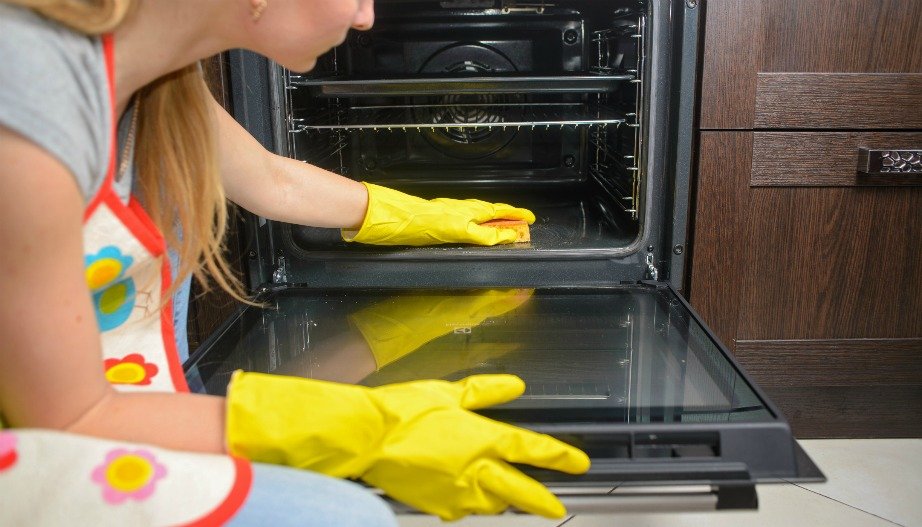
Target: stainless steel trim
{"points": [[603, 500]]}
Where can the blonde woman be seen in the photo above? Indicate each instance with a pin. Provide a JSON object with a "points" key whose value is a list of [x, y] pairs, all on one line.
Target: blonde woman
{"points": [[109, 147]]}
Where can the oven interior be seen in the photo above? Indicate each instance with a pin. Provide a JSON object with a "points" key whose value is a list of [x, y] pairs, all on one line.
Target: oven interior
{"points": [[539, 105]]}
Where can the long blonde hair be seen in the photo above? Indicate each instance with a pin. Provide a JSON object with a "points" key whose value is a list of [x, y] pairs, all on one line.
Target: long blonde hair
{"points": [[175, 153]]}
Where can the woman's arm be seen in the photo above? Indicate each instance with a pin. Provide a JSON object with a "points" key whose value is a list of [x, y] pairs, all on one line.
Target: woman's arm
{"points": [[283, 189], [51, 373]]}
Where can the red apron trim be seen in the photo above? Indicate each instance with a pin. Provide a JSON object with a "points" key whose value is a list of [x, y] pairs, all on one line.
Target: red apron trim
{"points": [[169, 337], [234, 500], [142, 223], [108, 50], [140, 227]]}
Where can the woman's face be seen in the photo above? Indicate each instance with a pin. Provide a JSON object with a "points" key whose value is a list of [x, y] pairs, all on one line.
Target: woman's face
{"points": [[295, 32]]}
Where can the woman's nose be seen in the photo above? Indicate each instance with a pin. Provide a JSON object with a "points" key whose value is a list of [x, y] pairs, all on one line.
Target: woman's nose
{"points": [[365, 17]]}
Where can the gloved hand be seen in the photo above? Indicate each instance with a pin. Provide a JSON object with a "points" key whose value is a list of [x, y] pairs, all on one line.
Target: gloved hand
{"points": [[398, 326], [417, 441], [395, 218]]}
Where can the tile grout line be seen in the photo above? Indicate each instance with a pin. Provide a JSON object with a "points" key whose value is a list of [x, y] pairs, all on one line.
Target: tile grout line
{"points": [[846, 504], [568, 519], [607, 494]]}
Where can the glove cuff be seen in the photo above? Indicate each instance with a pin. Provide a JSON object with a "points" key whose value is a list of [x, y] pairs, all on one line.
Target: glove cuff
{"points": [[352, 235], [331, 428]]}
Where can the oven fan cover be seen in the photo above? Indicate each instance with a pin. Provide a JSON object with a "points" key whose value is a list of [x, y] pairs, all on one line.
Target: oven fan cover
{"points": [[469, 142]]}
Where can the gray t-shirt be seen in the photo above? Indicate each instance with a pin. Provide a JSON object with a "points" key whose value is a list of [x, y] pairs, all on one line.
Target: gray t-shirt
{"points": [[54, 91]]}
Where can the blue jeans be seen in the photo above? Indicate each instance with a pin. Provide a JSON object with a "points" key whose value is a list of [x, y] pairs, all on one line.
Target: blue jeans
{"points": [[282, 496]]}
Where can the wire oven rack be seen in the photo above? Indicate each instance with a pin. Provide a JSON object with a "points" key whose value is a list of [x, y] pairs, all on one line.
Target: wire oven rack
{"points": [[461, 116]]}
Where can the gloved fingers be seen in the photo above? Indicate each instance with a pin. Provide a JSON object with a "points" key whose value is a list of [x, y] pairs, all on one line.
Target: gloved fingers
{"points": [[481, 391], [520, 491], [470, 207], [489, 235], [496, 302], [481, 211], [503, 211], [541, 450]]}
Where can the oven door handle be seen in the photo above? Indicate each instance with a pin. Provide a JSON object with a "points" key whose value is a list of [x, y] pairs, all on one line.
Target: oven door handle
{"points": [[651, 487], [662, 499], [696, 498]]}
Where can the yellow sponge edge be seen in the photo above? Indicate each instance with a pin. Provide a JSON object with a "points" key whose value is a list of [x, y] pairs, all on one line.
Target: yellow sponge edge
{"points": [[520, 226]]}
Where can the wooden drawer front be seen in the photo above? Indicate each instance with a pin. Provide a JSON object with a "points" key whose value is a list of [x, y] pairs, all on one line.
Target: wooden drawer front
{"points": [[830, 263], [749, 46], [825, 159], [834, 388], [796, 263], [859, 362], [839, 100], [818, 412]]}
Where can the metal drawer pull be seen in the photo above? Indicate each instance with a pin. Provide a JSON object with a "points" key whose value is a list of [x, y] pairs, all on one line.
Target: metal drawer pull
{"points": [[889, 161]]}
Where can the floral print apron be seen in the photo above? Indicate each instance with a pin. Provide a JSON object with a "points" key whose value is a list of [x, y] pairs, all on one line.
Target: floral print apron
{"points": [[55, 478]]}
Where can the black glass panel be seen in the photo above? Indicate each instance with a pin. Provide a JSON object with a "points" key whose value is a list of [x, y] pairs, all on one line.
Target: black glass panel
{"points": [[622, 355]]}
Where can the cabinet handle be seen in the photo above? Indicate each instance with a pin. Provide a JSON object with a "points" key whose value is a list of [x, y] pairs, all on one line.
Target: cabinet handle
{"points": [[876, 162]]}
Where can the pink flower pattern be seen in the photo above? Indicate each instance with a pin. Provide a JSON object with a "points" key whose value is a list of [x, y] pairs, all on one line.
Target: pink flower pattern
{"points": [[128, 474]]}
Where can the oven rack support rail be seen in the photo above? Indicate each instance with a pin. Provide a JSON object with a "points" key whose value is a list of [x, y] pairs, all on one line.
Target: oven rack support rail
{"points": [[605, 157], [340, 86]]}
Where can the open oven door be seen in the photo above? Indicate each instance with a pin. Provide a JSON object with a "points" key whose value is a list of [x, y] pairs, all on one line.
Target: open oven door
{"points": [[628, 373]]}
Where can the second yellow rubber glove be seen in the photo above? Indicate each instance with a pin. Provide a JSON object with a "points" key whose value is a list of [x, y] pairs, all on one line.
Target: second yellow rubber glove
{"points": [[395, 218], [417, 441]]}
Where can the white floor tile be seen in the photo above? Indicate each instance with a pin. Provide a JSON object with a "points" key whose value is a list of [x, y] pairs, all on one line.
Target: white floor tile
{"points": [[779, 506], [880, 476]]}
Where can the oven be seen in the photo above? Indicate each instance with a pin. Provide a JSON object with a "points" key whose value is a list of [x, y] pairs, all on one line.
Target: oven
{"points": [[580, 110]]}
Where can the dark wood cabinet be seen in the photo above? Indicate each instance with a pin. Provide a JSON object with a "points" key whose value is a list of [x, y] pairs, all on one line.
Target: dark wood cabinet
{"points": [[809, 271]]}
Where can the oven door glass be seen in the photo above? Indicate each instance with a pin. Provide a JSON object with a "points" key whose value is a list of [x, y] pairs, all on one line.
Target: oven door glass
{"points": [[627, 373]]}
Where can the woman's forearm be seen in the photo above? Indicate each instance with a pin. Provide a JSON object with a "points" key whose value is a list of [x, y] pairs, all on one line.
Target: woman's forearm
{"points": [[179, 421], [283, 189], [309, 195]]}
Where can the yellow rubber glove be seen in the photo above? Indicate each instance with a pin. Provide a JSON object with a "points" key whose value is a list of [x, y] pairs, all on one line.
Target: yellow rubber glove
{"points": [[398, 326], [395, 218], [417, 441]]}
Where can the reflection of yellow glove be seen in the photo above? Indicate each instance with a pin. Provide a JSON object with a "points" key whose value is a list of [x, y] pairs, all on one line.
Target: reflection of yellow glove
{"points": [[416, 441], [449, 361], [395, 218], [400, 325]]}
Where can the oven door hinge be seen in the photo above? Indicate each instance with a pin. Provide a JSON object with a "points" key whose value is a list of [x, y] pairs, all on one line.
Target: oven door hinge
{"points": [[652, 271], [280, 275], [516, 6]]}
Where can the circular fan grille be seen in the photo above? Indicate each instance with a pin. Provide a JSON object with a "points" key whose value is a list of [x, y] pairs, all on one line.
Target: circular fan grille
{"points": [[470, 110], [468, 141]]}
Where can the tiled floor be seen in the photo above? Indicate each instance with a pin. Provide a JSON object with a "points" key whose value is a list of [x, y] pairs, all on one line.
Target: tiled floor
{"points": [[872, 483]]}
